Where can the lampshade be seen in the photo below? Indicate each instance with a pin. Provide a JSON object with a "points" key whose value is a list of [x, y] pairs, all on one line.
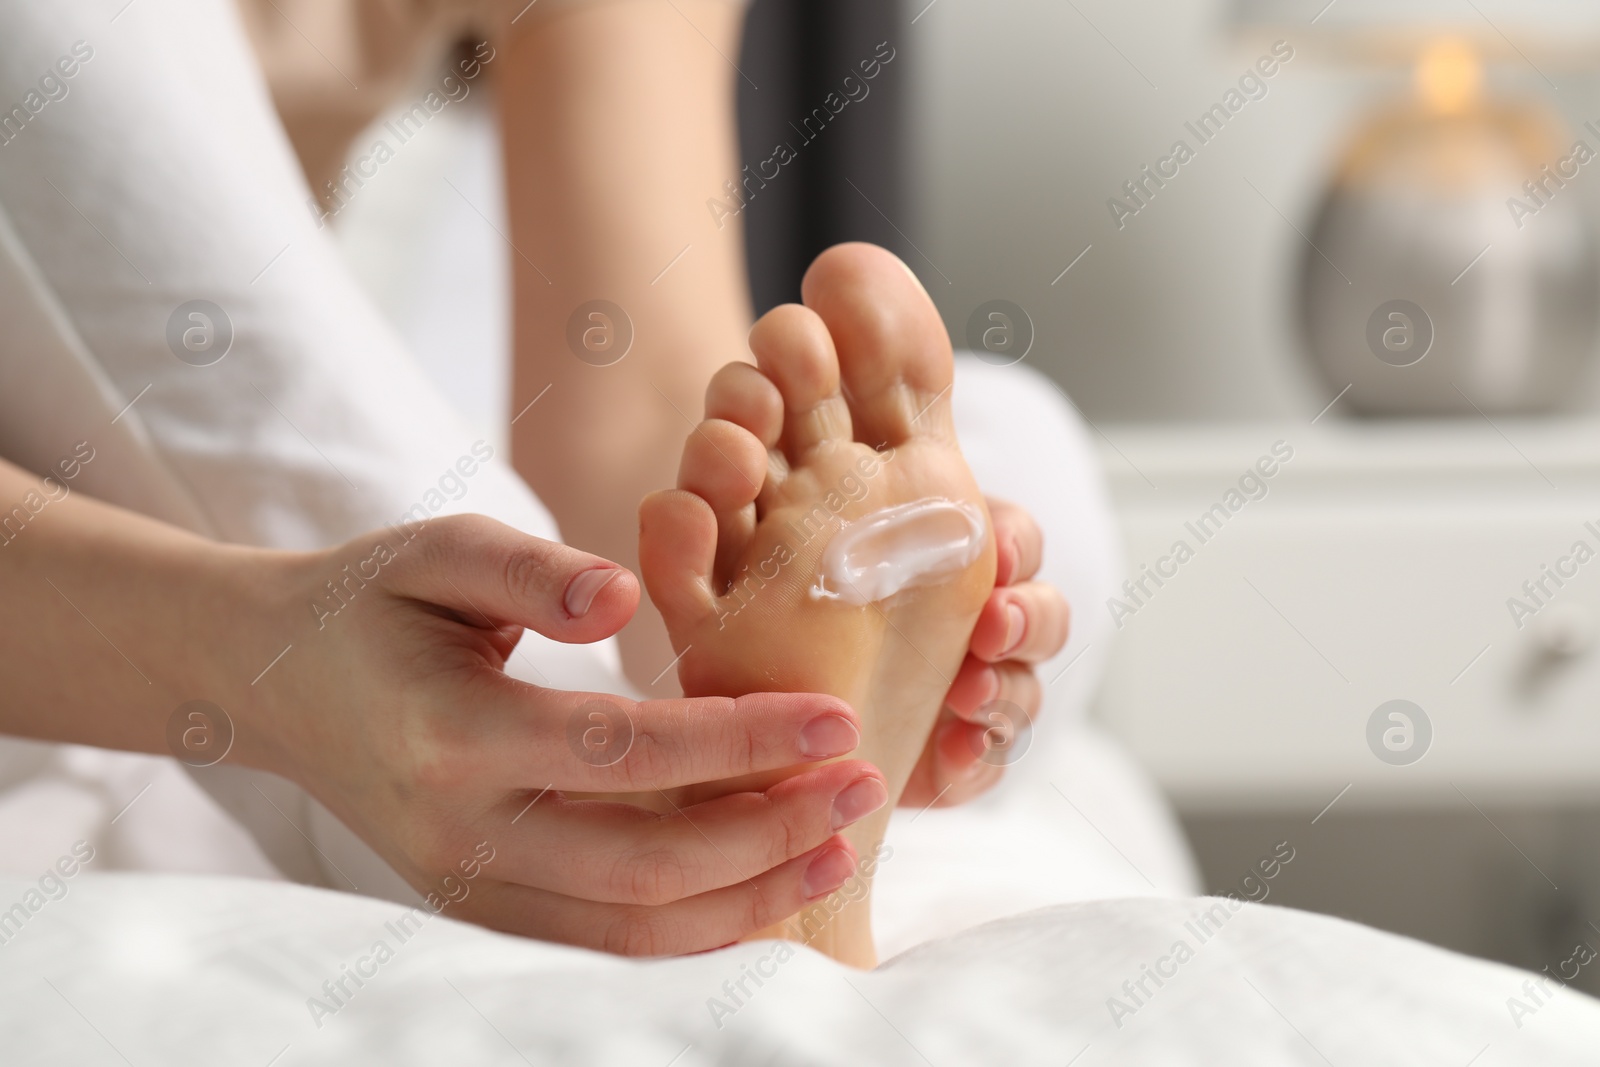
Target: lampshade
{"points": [[1556, 32]]}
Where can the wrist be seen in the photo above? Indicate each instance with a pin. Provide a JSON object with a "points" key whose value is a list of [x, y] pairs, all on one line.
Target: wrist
{"points": [[244, 610]]}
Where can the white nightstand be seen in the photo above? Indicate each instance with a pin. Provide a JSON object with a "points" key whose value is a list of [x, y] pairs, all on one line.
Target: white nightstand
{"points": [[1378, 566]]}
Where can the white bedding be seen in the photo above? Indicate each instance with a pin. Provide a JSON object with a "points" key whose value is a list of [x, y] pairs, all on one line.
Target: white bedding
{"points": [[179, 970], [166, 969]]}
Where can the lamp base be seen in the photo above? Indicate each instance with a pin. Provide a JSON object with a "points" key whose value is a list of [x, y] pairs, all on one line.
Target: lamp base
{"points": [[1438, 283]]}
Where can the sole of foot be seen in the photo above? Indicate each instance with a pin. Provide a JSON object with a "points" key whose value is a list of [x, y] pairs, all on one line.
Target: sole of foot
{"points": [[827, 536]]}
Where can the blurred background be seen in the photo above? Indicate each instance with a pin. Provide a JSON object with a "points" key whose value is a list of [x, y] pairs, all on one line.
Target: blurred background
{"points": [[1340, 348], [1381, 564]]}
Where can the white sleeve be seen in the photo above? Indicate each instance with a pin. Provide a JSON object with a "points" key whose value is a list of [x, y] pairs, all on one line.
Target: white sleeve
{"points": [[169, 299]]}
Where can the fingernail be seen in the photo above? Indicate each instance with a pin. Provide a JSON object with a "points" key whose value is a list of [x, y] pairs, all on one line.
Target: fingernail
{"points": [[585, 586], [1016, 626], [858, 800], [1013, 557], [991, 685], [828, 735], [826, 873]]}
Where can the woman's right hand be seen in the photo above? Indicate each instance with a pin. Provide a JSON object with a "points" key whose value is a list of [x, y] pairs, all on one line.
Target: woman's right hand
{"points": [[395, 712]]}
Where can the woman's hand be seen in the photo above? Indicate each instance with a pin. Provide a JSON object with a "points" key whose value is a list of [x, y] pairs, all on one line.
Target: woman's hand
{"points": [[996, 696], [394, 711], [383, 695]]}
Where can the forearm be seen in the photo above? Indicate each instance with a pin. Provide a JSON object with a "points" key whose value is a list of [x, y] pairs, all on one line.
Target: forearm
{"points": [[113, 620], [618, 128]]}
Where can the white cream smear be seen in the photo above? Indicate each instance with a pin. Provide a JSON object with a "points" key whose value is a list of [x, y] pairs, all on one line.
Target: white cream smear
{"points": [[883, 552]]}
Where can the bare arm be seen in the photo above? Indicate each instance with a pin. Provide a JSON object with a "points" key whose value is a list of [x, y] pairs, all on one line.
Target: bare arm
{"points": [[619, 125], [112, 620]]}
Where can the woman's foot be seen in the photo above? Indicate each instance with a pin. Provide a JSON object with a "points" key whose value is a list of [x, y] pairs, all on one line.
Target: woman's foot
{"points": [[827, 535]]}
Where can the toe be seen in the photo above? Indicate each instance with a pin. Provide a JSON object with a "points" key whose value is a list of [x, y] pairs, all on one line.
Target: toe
{"points": [[794, 351], [677, 550], [741, 394], [725, 465], [893, 352]]}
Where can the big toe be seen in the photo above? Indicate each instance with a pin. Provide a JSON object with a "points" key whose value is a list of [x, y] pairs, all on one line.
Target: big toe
{"points": [[894, 355]]}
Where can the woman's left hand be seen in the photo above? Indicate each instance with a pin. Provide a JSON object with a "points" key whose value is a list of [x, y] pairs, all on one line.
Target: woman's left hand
{"points": [[995, 696]]}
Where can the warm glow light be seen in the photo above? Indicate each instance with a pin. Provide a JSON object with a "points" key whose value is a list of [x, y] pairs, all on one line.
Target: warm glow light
{"points": [[1449, 75]]}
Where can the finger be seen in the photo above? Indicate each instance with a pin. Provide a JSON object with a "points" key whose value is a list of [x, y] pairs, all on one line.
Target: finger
{"points": [[972, 744], [1019, 543], [1027, 622], [976, 683], [494, 575], [949, 770], [620, 854], [960, 770], [590, 742], [1008, 681], [694, 924]]}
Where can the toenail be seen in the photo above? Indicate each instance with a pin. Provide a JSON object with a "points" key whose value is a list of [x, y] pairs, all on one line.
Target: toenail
{"points": [[826, 873], [827, 736], [858, 800], [1016, 628], [585, 586]]}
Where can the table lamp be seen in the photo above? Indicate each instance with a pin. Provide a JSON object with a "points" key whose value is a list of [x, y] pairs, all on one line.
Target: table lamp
{"points": [[1451, 266]]}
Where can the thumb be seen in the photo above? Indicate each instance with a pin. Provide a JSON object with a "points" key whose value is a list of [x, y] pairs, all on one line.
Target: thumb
{"points": [[483, 568]]}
